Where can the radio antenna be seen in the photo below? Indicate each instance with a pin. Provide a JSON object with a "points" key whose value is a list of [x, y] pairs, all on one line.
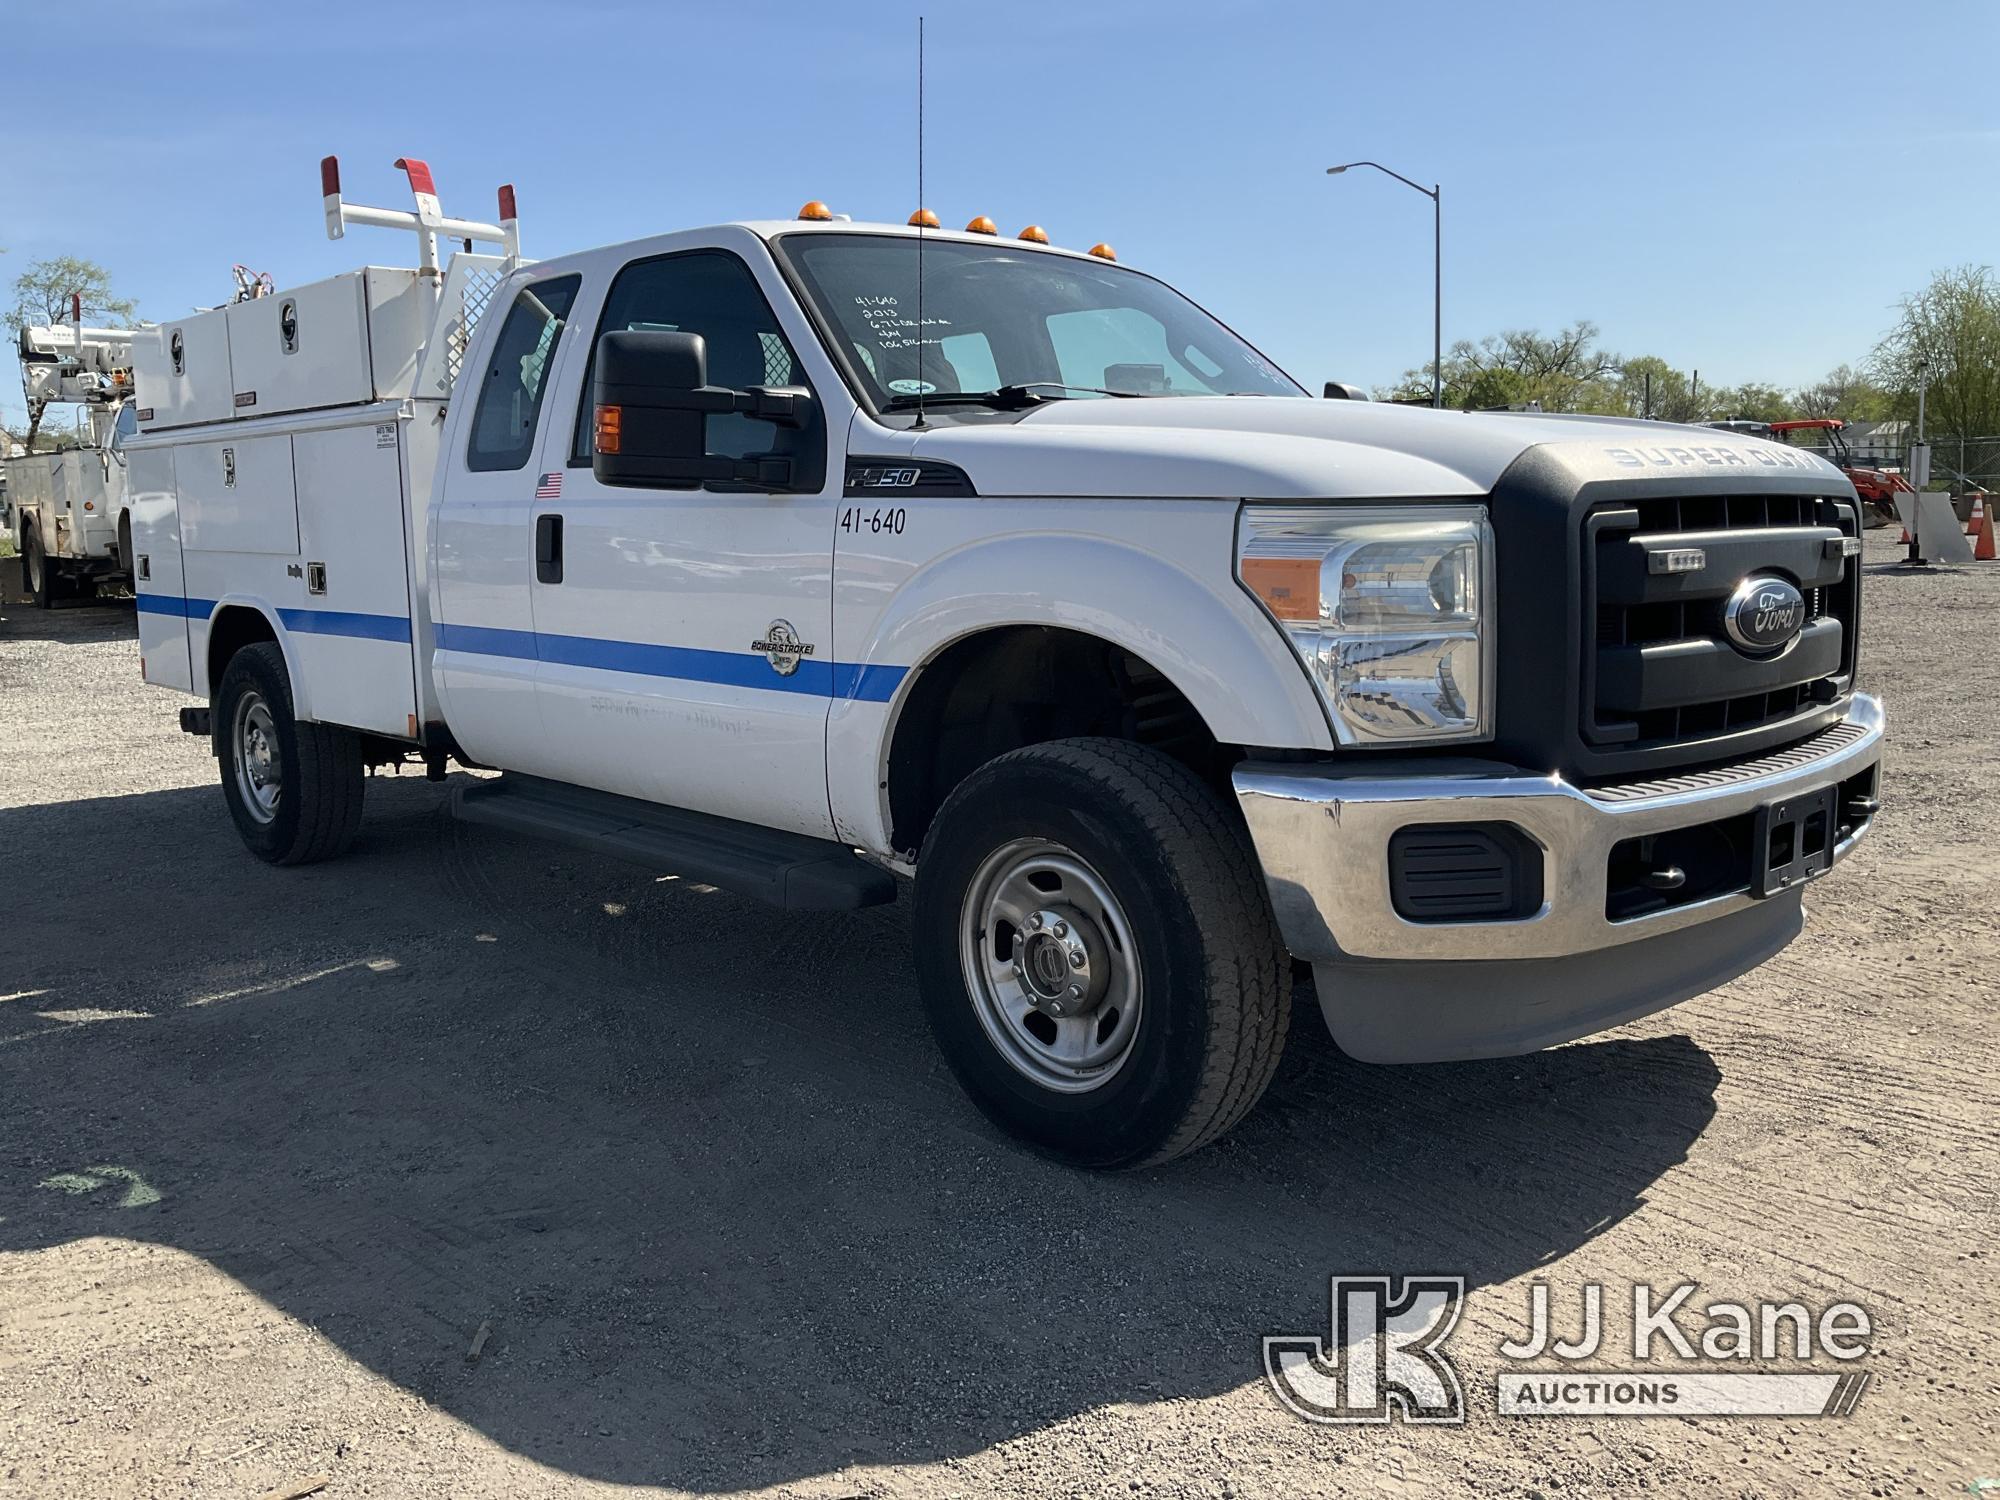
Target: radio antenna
{"points": [[919, 424]]}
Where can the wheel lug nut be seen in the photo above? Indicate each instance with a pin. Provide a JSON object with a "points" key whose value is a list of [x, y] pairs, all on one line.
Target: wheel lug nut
{"points": [[1076, 991], [1035, 921], [1076, 959], [1062, 929]]}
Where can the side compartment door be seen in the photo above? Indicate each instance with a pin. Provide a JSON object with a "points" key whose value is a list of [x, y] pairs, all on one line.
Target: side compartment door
{"points": [[686, 634], [156, 569], [483, 560], [352, 638]]}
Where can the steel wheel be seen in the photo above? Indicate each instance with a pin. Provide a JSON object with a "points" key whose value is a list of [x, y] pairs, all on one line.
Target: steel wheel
{"points": [[260, 770], [1051, 966], [32, 565]]}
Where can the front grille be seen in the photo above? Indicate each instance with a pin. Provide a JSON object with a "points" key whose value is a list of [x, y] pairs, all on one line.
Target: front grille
{"points": [[1660, 672]]}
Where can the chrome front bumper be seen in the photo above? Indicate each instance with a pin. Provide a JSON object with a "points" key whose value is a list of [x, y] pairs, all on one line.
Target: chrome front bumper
{"points": [[1323, 841]]}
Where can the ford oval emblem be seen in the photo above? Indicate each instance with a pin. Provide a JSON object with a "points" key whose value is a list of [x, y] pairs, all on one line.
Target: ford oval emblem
{"points": [[1765, 615]]}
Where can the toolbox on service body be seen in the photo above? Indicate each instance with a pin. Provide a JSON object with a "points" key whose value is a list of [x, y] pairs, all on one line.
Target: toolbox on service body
{"points": [[348, 340]]}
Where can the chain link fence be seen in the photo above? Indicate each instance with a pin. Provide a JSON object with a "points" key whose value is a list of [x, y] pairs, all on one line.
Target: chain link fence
{"points": [[1963, 465]]}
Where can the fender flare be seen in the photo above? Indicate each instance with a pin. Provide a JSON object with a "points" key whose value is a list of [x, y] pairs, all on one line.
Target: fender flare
{"points": [[1214, 645], [198, 651]]}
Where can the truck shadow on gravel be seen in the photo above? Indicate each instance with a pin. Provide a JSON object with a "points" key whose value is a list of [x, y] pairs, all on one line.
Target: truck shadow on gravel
{"points": [[71, 622], [693, 1162]]}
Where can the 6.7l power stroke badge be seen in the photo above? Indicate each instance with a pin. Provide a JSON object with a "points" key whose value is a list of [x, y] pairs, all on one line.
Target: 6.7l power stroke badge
{"points": [[782, 647]]}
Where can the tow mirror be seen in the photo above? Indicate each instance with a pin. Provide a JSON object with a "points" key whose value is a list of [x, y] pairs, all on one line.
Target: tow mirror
{"points": [[652, 403], [1339, 391]]}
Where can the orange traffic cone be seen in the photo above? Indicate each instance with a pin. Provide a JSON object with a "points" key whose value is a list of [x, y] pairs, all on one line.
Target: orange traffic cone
{"points": [[1976, 517], [1984, 550]]}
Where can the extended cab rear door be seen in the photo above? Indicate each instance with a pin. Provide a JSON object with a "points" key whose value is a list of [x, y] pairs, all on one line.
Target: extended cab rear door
{"points": [[685, 635], [483, 543]]}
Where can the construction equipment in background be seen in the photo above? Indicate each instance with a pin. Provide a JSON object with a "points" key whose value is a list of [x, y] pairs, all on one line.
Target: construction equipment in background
{"points": [[1877, 488], [70, 516]]}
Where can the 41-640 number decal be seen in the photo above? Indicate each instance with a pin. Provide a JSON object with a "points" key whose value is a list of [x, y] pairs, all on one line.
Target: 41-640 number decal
{"points": [[888, 521]]}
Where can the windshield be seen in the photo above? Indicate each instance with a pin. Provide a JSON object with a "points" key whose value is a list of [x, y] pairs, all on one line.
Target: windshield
{"points": [[999, 317]]}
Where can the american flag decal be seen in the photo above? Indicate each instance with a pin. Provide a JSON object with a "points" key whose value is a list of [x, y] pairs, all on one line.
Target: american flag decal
{"points": [[549, 487]]}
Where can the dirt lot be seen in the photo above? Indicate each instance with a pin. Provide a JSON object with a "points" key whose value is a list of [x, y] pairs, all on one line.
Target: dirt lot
{"points": [[276, 1145]]}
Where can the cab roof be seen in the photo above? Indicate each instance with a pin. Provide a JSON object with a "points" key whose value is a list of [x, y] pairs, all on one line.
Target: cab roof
{"points": [[769, 229]]}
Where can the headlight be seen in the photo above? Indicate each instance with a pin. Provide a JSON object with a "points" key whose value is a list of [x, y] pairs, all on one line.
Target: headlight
{"points": [[1387, 608]]}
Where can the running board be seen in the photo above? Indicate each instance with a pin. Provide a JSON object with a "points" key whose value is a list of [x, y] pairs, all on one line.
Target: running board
{"points": [[785, 869]]}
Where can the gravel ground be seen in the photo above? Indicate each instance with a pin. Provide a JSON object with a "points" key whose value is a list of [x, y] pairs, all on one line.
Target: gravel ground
{"points": [[276, 1146]]}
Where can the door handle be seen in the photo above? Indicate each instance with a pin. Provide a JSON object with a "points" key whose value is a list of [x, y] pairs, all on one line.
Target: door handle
{"points": [[548, 549]]}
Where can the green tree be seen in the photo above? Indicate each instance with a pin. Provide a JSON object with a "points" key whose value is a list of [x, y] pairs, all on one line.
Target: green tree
{"points": [[1648, 386], [1753, 401], [43, 295], [1947, 339], [1844, 392], [1563, 371]]}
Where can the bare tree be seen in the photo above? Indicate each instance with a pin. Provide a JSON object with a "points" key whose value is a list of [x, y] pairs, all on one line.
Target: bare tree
{"points": [[1842, 392]]}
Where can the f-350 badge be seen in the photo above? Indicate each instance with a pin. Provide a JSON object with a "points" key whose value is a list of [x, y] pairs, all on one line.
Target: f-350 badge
{"points": [[782, 647]]}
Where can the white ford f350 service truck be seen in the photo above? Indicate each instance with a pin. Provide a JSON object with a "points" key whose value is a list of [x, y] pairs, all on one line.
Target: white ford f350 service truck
{"points": [[758, 554]]}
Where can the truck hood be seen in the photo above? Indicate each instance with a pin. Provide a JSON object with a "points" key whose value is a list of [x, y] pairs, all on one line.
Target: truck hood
{"points": [[1273, 448]]}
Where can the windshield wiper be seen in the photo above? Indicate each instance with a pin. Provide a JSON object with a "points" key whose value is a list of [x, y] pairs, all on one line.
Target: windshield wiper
{"points": [[1006, 397]]}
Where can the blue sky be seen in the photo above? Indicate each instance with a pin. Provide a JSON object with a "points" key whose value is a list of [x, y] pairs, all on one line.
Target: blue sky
{"points": [[1722, 185]]}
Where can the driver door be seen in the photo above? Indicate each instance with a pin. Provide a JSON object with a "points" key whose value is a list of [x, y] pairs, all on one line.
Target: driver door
{"points": [[684, 636]]}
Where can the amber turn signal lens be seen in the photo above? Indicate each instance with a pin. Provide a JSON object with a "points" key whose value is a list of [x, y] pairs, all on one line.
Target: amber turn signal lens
{"points": [[1289, 586], [815, 210], [982, 225], [1103, 251], [1034, 234], [925, 217], [610, 428]]}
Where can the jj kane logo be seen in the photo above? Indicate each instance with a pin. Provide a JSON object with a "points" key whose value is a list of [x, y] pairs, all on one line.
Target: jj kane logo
{"points": [[1381, 1357]]}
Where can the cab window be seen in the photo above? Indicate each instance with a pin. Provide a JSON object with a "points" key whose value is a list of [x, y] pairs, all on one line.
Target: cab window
{"points": [[1123, 349], [712, 293], [510, 394]]}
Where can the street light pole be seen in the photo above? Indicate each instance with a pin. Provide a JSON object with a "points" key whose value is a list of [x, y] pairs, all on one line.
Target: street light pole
{"points": [[1435, 193]]}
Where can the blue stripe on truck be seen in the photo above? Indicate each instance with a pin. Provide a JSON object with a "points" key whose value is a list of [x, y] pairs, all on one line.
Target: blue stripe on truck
{"points": [[168, 604], [825, 679], [305, 621], [346, 622]]}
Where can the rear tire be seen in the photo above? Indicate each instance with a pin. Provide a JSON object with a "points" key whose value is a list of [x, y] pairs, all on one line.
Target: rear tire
{"points": [[38, 573], [1097, 955], [294, 790]]}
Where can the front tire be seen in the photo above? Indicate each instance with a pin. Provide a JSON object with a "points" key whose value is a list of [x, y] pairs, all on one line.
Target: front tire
{"points": [[294, 790], [1097, 955]]}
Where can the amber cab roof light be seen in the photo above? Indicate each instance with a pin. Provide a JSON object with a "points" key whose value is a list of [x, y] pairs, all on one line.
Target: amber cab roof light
{"points": [[926, 218], [1034, 234], [816, 210], [982, 225], [1103, 251]]}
